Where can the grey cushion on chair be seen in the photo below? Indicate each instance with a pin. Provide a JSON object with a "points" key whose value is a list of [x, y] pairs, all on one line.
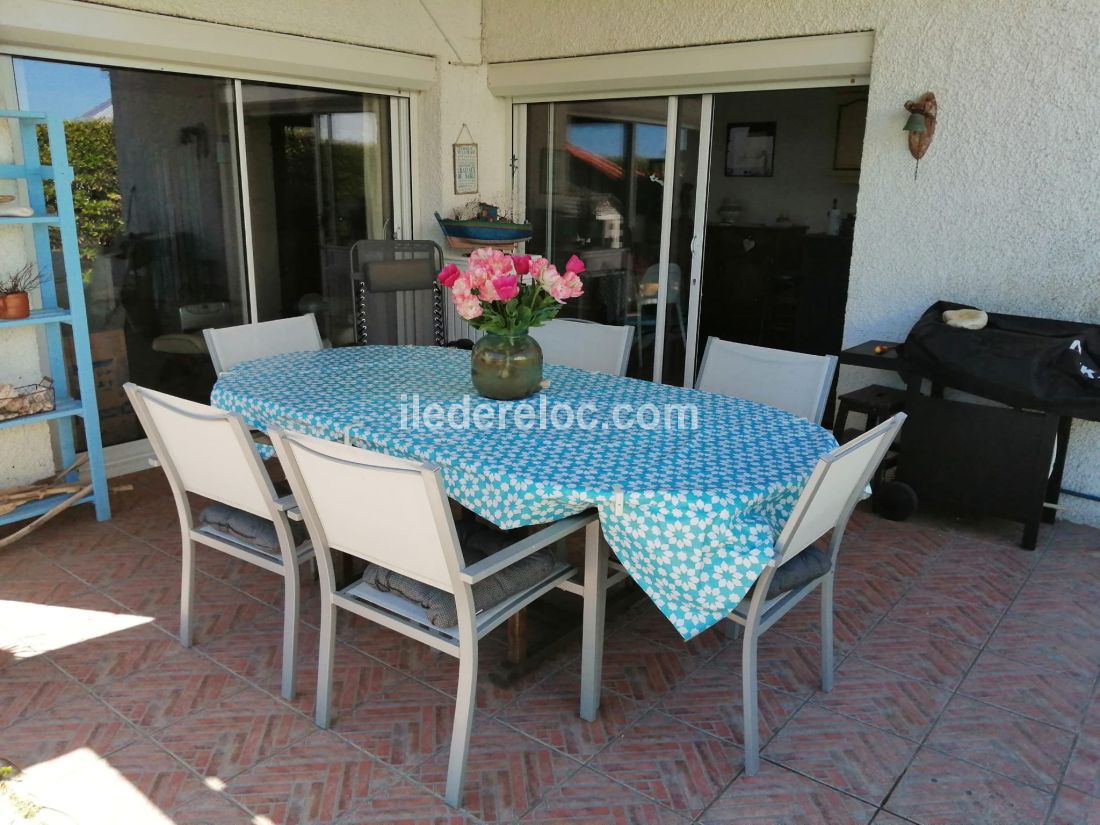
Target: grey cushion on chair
{"points": [[477, 543], [248, 528], [812, 563]]}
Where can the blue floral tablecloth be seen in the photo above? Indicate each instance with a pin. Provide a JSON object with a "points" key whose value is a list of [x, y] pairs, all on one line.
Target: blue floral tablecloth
{"points": [[691, 513]]}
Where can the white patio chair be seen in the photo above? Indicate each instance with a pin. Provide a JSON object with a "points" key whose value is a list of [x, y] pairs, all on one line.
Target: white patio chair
{"points": [[209, 452], [230, 346], [792, 381], [394, 514], [585, 345], [798, 567]]}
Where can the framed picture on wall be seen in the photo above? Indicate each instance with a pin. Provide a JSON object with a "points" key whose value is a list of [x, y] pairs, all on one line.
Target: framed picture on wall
{"points": [[750, 150], [851, 121]]}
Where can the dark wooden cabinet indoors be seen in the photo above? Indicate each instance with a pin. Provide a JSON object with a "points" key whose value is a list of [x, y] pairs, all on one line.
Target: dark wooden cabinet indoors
{"points": [[775, 286]]}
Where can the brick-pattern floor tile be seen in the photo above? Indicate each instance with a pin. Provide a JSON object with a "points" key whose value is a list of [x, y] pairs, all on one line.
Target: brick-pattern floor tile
{"points": [[84, 723], [1064, 651], [670, 762], [234, 734], [313, 782], [506, 773], [883, 698], [180, 685], [649, 622], [1023, 749], [441, 672], [1083, 771], [1054, 607], [121, 559], [116, 655], [209, 807], [778, 796], [548, 712], [1075, 808], [1028, 690], [588, 798], [782, 661], [34, 686], [850, 624], [256, 653], [905, 649], [402, 724], [841, 752], [642, 670], [931, 612], [404, 803], [711, 699], [218, 607], [65, 625], [939, 790]]}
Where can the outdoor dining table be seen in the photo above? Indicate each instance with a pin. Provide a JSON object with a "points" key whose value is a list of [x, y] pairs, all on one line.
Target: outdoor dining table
{"points": [[692, 488]]}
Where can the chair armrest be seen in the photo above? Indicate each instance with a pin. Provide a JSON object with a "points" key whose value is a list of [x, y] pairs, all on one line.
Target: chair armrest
{"points": [[525, 547], [287, 505]]}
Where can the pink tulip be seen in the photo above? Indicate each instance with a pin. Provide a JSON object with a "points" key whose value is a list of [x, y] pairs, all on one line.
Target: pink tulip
{"points": [[506, 287], [522, 264], [574, 264], [468, 307], [449, 274]]}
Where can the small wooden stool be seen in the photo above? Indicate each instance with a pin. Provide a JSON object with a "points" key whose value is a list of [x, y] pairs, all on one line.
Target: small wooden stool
{"points": [[875, 401]]}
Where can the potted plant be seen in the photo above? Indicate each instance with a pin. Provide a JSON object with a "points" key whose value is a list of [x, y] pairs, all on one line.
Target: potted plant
{"points": [[14, 301], [504, 296]]}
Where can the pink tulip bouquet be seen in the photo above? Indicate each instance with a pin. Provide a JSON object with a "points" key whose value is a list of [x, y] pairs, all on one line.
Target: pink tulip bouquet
{"points": [[509, 294]]}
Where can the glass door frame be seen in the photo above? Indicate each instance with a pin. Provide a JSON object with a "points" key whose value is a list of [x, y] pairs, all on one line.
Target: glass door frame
{"points": [[702, 185]]}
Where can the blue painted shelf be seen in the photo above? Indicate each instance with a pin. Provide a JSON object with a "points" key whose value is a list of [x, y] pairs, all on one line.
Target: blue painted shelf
{"points": [[67, 408]]}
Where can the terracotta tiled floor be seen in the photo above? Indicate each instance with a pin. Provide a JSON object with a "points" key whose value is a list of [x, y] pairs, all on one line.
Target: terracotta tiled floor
{"points": [[966, 692]]}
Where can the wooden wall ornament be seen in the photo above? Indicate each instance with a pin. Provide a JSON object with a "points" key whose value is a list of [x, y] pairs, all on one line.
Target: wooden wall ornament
{"points": [[925, 105]]}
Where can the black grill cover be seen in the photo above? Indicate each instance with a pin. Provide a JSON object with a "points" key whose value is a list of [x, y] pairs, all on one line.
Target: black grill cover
{"points": [[1033, 363]]}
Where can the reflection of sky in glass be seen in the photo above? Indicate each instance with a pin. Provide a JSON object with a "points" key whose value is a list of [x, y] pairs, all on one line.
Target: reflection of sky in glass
{"points": [[66, 89], [607, 139]]}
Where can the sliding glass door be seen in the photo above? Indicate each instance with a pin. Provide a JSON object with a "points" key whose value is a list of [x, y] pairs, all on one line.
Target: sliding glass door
{"points": [[615, 182], [318, 181], [205, 202]]}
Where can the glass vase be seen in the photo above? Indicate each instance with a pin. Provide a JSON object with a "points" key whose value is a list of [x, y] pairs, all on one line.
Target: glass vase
{"points": [[506, 367]]}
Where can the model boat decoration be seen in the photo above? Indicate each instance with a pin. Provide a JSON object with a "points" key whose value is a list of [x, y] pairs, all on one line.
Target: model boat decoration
{"points": [[479, 224]]}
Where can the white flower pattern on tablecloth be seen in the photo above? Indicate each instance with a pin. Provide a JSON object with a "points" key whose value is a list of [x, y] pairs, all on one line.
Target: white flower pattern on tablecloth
{"points": [[692, 514]]}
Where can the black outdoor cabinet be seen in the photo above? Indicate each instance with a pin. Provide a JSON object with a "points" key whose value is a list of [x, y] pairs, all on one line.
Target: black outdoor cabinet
{"points": [[981, 459]]}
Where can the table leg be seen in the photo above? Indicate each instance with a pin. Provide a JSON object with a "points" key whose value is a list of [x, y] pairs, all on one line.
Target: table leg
{"points": [[517, 639], [595, 596]]}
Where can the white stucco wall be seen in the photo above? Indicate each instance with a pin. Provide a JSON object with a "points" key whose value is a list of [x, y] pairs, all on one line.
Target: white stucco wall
{"points": [[1004, 213]]}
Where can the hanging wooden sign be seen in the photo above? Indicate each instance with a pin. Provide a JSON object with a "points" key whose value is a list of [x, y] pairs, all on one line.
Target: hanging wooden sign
{"points": [[465, 164]]}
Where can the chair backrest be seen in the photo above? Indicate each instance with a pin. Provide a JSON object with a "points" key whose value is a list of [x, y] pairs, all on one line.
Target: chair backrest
{"points": [[379, 508], [835, 486], [230, 346], [585, 345], [395, 295], [792, 381], [204, 450]]}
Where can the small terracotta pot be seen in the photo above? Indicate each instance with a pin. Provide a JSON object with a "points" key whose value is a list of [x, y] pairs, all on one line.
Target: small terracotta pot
{"points": [[14, 306]]}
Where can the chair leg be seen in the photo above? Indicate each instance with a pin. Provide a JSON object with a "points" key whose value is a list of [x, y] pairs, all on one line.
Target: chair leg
{"points": [[827, 633], [291, 590], [748, 697], [323, 712], [464, 721], [187, 591], [595, 598]]}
